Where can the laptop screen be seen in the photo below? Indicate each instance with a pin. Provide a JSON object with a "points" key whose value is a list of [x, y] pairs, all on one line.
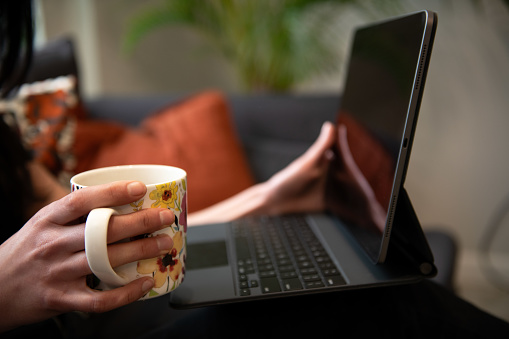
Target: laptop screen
{"points": [[371, 148]]}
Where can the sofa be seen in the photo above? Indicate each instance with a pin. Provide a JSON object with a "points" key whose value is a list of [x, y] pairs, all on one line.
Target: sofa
{"points": [[268, 130]]}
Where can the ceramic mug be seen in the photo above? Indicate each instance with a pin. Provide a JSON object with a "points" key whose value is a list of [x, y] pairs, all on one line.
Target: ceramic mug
{"points": [[166, 188]]}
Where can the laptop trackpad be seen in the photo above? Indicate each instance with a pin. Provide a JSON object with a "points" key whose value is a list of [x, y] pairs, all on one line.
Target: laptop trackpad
{"points": [[206, 255], [208, 275]]}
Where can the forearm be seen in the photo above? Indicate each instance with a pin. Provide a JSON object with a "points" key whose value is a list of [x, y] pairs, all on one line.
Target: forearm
{"points": [[251, 201]]}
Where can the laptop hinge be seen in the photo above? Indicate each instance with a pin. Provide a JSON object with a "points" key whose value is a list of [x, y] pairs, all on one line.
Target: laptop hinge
{"points": [[408, 238]]}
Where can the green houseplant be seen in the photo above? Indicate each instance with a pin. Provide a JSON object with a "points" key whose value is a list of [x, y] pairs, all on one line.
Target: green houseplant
{"points": [[273, 44]]}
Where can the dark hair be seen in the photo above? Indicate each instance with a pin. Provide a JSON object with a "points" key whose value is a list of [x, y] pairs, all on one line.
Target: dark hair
{"points": [[16, 38]]}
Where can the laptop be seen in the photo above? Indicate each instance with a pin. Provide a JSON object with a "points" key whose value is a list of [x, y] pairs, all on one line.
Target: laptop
{"points": [[369, 236]]}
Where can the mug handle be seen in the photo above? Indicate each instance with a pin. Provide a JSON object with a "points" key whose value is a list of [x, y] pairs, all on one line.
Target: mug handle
{"points": [[96, 247]]}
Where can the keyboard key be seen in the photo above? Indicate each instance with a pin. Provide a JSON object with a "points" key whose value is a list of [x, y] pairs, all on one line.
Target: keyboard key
{"points": [[262, 256], [330, 271], [311, 277], [265, 261], [267, 274], [335, 280], [270, 285], [282, 255], [246, 270], [326, 265], [245, 291], [322, 260], [292, 284], [244, 262], [306, 271], [288, 275], [286, 268], [263, 268], [283, 262], [242, 248], [314, 284], [305, 264]]}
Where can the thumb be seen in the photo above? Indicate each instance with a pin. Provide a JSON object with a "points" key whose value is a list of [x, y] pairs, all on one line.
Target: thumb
{"points": [[324, 141]]}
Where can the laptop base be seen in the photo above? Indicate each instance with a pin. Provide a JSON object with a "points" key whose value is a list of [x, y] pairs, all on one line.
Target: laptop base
{"points": [[215, 283]]}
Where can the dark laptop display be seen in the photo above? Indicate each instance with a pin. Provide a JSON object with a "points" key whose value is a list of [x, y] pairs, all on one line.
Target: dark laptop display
{"points": [[347, 246], [379, 109]]}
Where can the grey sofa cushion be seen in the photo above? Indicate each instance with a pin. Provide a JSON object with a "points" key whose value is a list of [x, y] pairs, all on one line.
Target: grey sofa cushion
{"points": [[275, 129]]}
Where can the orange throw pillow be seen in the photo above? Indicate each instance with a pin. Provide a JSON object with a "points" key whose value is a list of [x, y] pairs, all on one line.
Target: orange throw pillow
{"points": [[45, 114], [196, 135]]}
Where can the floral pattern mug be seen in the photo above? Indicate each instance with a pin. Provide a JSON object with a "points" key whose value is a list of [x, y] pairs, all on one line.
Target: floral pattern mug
{"points": [[166, 188]]}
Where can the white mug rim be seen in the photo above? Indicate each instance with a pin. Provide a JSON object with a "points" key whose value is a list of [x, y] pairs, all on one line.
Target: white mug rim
{"points": [[180, 173]]}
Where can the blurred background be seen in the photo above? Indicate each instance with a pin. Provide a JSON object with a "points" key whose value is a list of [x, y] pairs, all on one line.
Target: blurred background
{"points": [[458, 178]]}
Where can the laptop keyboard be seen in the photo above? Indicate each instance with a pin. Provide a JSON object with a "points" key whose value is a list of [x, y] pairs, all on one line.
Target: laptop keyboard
{"points": [[276, 254]]}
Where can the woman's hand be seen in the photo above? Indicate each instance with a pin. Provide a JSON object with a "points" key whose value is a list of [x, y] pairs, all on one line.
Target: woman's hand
{"points": [[43, 267], [300, 187]]}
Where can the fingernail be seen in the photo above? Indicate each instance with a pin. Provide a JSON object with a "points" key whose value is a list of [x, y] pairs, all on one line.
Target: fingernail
{"points": [[147, 285], [326, 124], [135, 188], [166, 217], [164, 243]]}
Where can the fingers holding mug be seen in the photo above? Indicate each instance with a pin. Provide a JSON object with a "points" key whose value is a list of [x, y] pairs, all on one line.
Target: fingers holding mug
{"points": [[145, 221], [141, 249], [161, 218]]}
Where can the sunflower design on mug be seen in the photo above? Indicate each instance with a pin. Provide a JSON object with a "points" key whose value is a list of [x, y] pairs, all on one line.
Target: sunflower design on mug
{"points": [[166, 195]]}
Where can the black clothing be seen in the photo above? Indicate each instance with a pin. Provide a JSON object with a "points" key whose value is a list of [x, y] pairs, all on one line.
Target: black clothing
{"points": [[421, 310]]}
